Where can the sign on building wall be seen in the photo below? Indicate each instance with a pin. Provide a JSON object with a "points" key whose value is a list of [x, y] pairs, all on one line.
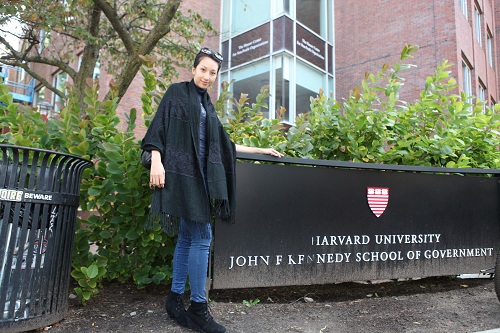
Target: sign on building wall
{"points": [[256, 43], [310, 47], [250, 45], [300, 225]]}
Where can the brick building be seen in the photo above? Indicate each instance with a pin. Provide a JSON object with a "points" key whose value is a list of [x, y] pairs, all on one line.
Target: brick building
{"points": [[371, 33], [298, 47]]}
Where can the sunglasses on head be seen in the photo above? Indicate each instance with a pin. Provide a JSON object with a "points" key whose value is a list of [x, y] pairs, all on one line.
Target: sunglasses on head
{"points": [[209, 52]]}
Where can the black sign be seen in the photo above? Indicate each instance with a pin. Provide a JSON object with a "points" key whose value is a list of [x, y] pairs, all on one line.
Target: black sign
{"points": [[250, 45], [301, 225], [310, 47]]}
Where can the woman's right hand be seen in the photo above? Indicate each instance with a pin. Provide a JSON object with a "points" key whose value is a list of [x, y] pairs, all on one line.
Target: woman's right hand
{"points": [[157, 173]]}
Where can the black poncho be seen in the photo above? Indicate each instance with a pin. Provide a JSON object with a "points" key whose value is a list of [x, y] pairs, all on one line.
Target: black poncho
{"points": [[174, 132]]}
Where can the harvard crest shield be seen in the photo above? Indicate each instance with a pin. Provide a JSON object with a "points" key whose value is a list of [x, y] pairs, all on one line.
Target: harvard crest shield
{"points": [[378, 198]]}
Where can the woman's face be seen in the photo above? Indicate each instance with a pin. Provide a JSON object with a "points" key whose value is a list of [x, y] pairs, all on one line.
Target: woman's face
{"points": [[205, 73]]}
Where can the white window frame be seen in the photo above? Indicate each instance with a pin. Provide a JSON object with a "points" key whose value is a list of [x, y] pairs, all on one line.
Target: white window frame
{"points": [[482, 95], [467, 80], [58, 82], [489, 47], [477, 24], [39, 96], [463, 6]]}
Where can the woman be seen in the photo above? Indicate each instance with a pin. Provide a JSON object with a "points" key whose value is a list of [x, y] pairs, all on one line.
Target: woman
{"points": [[193, 173]]}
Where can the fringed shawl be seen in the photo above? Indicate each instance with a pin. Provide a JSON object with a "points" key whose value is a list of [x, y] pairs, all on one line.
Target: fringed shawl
{"points": [[174, 132]]}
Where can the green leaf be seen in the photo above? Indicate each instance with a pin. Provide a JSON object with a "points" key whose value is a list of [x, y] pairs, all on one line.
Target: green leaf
{"points": [[110, 147], [86, 295], [124, 209], [115, 168], [113, 155], [92, 284], [92, 271], [132, 234], [93, 191], [105, 234], [158, 277], [77, 151]]}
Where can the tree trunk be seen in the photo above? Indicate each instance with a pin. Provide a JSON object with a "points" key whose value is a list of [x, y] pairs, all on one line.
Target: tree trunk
{"points": [[133, 63], [89, 57]]}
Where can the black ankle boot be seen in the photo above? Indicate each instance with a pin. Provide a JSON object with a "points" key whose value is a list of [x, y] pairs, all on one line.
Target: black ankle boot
{"points": [[199, 319], [175, 308]]}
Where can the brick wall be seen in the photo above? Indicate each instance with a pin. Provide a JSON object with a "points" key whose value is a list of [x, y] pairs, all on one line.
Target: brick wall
{"points": [[371, 33]]}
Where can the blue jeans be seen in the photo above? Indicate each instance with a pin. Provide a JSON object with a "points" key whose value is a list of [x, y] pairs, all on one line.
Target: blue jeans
{"points": [[191, 259]]}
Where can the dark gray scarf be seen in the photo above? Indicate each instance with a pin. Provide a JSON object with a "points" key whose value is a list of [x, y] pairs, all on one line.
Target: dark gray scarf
{"points": [[174, 132]]}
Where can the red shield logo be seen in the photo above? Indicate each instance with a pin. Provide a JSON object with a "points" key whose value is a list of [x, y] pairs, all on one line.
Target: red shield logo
{"points": [[378, 197]]}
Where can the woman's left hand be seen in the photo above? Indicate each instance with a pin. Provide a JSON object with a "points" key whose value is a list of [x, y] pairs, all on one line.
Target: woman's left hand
{"points": [[256, 150], [272, 152]]}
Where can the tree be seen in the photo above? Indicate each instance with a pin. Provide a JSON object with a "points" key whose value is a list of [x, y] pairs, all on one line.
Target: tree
{"points": [[115, 33]]}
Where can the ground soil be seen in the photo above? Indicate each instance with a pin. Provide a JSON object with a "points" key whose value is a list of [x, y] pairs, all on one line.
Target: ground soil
{"points": [[433, 305]]}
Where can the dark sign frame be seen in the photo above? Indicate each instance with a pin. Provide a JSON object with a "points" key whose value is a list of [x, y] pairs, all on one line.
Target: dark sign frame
{"points": [[303, 222]]}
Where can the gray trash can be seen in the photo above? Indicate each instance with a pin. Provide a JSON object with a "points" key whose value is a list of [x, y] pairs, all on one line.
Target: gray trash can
{"points": [[39, 196]]}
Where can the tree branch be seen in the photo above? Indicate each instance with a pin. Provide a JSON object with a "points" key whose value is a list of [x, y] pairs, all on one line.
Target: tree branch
{"points": [[159, 31], [34, 75], [7, 45], [90, 53], [20, 58], [113, 18]]}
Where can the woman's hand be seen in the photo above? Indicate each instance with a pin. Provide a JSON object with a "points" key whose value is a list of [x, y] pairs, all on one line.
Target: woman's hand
{"points": [[255, 150], [271, 151], [157, 172]]}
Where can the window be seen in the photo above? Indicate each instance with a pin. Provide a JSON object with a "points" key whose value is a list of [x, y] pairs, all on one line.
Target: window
{"points": [[284, 44], [463, 7], [247, 14], [249, 80], [60, 83], [467, 84], [489, 48], [312, 14], [482, 92], [331, 86], [282, 75], [482, 95], [21, 75], [39, 96], [226, 19], [97, 70], [477, 19], [331, 27], [309, 82], [281, 7]]}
